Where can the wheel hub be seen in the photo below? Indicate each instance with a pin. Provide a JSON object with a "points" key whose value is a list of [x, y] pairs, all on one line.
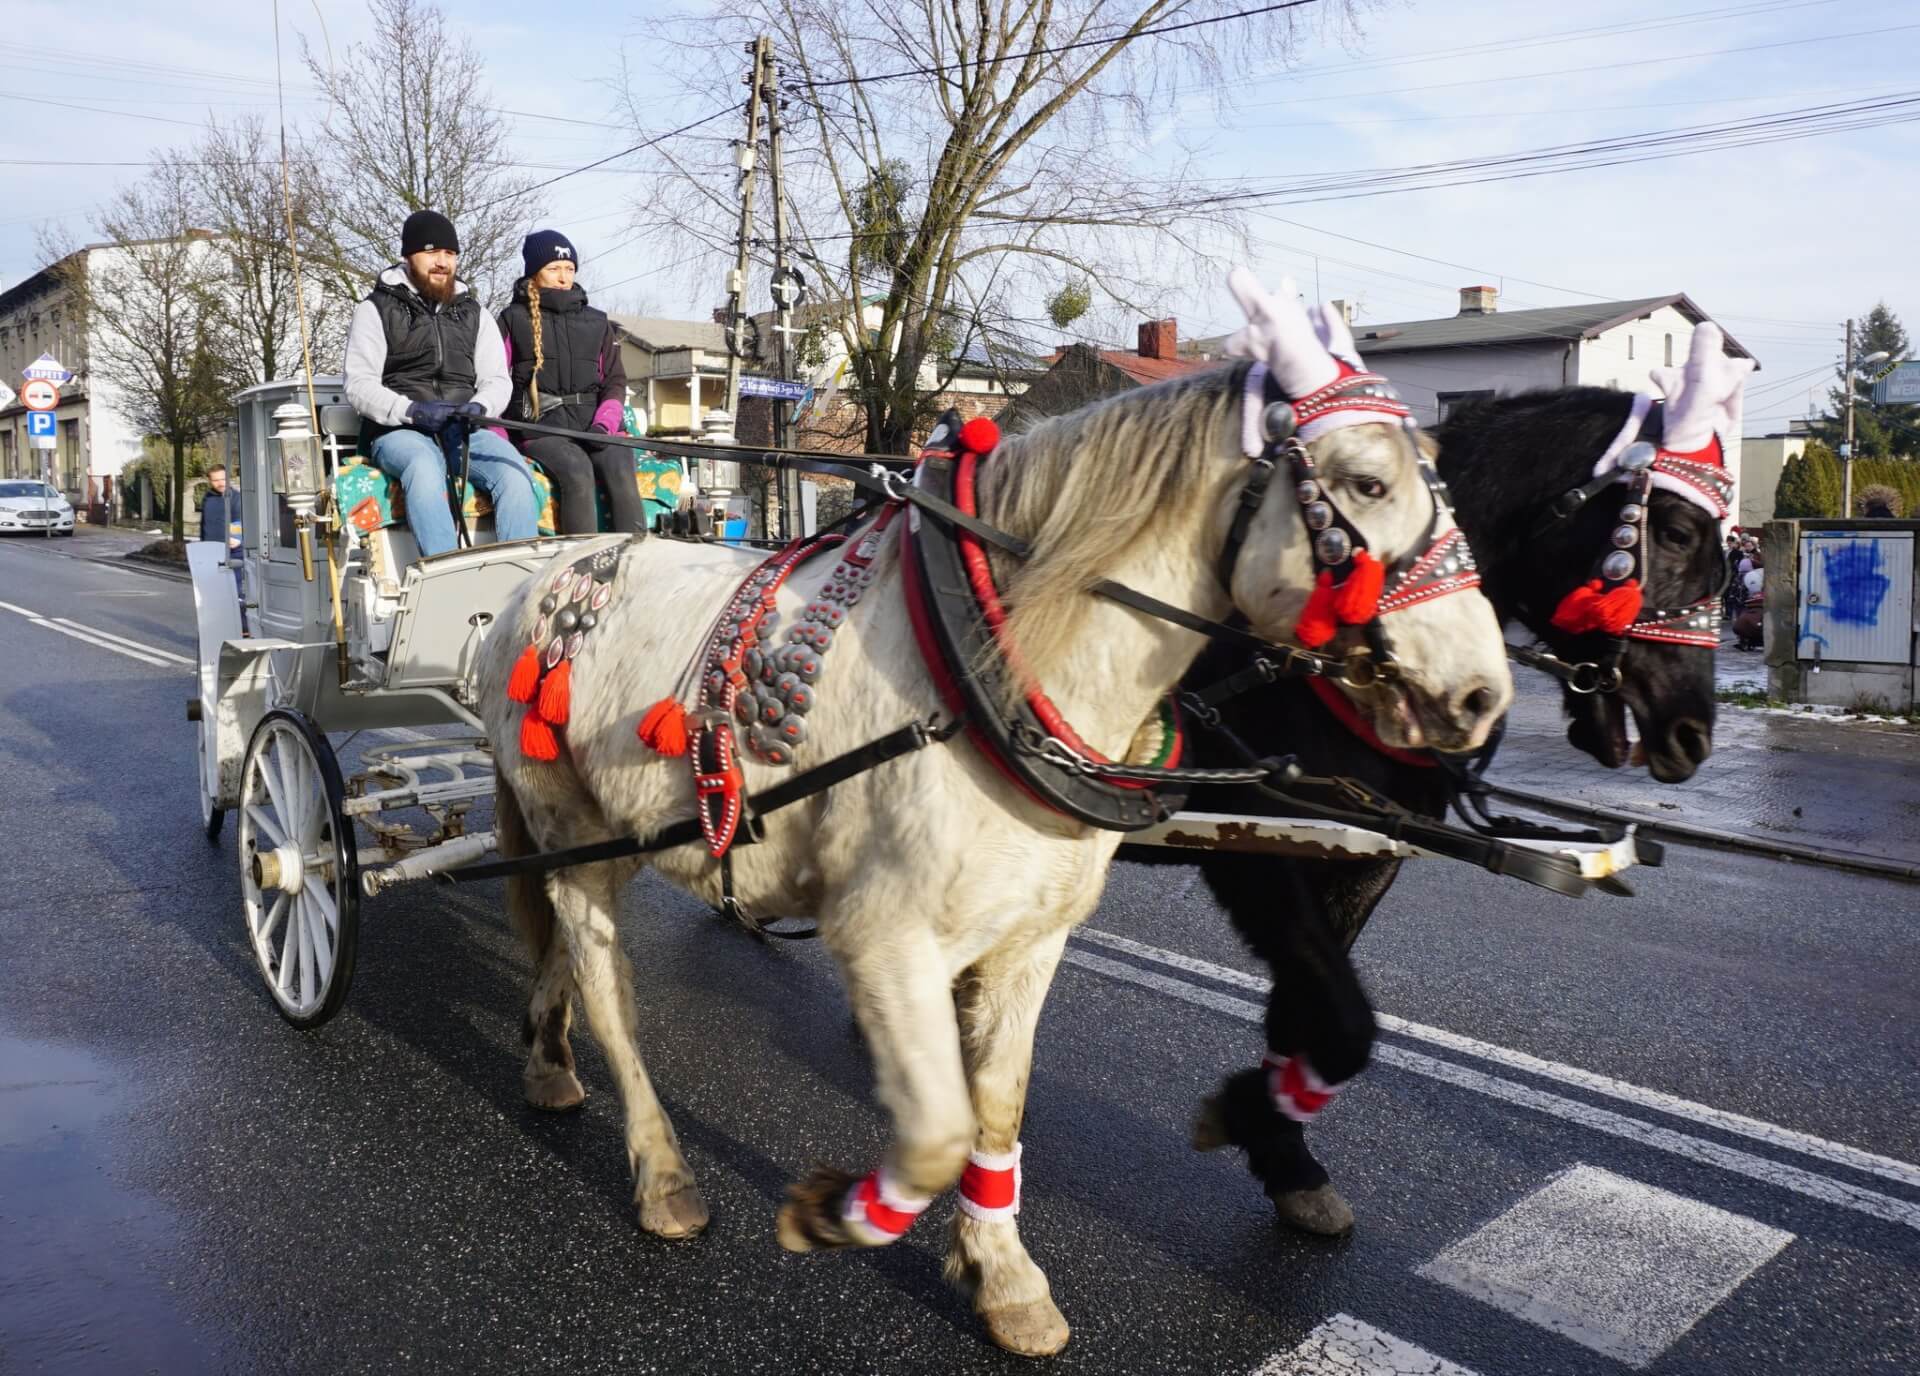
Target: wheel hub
{"points": [[282, 868]]}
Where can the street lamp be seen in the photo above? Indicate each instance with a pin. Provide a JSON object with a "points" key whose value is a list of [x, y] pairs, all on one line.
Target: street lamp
{"points": [[1854, 366]]}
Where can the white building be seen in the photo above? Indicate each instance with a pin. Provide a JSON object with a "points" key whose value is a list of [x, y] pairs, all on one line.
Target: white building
{"points": [[95, 440]]}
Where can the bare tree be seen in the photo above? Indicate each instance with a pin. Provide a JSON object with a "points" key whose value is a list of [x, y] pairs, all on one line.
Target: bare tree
{"points": [[235, 174], [148, 297], [953, 166], [408, 128]]}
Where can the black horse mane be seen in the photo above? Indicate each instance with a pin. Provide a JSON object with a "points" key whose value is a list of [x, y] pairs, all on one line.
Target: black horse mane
{"points": [[1504, 458]]}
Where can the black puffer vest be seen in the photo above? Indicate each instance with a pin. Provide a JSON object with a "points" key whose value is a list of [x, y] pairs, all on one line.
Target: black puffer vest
{"points": [[429, 351], [575, 339]]}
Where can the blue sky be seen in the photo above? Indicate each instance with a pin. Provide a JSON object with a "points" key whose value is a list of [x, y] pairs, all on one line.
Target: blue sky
{"points": [[1780, 242]]}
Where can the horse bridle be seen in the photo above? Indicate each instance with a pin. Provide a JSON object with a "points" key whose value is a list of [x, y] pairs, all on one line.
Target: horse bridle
{"points": [[1695, 625], [1442, 564]]}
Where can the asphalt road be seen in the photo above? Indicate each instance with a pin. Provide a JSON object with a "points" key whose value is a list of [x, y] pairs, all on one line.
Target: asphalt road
{"points": [[1672, 1134]]}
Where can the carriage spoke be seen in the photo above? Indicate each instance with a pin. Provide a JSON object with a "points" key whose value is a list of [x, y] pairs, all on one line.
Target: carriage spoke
{"points": [[326, 922], [270, 923], [289, 965], [307, 961], [266, 824]]}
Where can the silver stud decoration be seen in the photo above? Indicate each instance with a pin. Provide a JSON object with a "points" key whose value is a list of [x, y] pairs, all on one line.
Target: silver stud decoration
{"points": [[1332, 547], [1319, 515], [1278, 421], [1632, 512], [1624, 537], [1307, 490], [1616, 566], [1638, 457]]}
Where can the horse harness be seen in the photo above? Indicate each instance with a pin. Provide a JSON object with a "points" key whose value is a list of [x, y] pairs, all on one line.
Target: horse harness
{"points": [[1611, 602]]}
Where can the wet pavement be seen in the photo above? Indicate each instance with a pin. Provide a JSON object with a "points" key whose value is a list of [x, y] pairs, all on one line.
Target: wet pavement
{"points": [[1852, 786], [1730, 1063]]}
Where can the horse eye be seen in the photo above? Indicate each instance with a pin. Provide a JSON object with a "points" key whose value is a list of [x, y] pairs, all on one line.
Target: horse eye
{"points": [[1370, 487]]}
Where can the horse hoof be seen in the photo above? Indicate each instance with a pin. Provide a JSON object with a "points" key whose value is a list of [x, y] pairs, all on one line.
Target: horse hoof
{"points": [[557, 1091], [680, 1214], [790, 1231], [1318, 1210], [1210, 1125], [1033, 1329], [810, 1217]]}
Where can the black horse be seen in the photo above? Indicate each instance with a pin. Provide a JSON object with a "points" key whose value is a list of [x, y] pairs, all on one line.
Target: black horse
{"points": [[1506, 461]]}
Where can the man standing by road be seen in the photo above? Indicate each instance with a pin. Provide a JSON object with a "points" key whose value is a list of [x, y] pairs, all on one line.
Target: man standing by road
{"points": [[424, 361]]}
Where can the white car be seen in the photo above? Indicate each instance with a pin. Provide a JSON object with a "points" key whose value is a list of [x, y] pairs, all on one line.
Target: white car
{"points": [[29, 505]]}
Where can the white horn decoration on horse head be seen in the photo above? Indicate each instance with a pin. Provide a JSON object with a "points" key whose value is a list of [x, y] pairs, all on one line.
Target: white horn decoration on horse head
{"points": [[1704, 398], [1306, 352]]}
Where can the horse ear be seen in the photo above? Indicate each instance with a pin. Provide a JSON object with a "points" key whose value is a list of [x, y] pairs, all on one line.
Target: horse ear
{"points": [[1706, 395]]}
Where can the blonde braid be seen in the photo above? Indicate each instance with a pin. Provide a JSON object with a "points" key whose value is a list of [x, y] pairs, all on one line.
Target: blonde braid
{"points": [[539, 357]]}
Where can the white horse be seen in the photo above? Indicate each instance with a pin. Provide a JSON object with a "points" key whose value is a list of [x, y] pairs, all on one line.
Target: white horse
{"points": [[944, 892]]}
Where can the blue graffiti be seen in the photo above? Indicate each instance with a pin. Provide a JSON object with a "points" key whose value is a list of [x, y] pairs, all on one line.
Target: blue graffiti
{"points": [[1855, 585]]}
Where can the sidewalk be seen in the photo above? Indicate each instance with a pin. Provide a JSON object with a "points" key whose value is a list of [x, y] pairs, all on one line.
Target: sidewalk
{"points": [[1846, 786]]}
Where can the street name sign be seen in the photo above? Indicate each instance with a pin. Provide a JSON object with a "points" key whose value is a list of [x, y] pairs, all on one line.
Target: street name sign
{"points": [[40, 395], [1899, 387], [772, 387], [47, 368]]}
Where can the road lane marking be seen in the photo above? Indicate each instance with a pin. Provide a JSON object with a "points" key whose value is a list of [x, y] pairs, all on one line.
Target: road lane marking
{"points": [[1344, 1346], [130, 644], [1837, 1153], [120, 645], [1615, 1265], [1812, 1185]]}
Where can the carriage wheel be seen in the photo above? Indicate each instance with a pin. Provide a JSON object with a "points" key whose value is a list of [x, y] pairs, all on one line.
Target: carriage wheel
{"points": [[299, 868]]}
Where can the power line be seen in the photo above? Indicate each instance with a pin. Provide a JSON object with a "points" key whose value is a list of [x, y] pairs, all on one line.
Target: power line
{"points": [[1107, 41]]}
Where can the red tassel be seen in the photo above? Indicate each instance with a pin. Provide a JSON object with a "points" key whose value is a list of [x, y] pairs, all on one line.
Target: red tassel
{"points": [[664, 728], [1588, 608], [537, 741], [556, 693], [525, 676], [1620, 608], [980, 435], [1317, 623], [1357, 600]]}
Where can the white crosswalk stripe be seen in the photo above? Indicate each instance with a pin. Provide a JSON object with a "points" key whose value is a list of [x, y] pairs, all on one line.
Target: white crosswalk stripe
{"points": [[1344, 1346]]}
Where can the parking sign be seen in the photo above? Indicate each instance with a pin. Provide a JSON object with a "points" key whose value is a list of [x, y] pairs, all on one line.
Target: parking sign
{"points": [[41, 424]]}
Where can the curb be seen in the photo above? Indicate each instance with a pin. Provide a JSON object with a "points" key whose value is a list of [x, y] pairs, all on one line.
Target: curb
{"points": [[1703, 836], [134, 564]]}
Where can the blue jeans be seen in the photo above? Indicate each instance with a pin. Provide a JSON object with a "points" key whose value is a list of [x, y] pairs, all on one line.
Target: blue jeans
{"points": [[421, 463]]}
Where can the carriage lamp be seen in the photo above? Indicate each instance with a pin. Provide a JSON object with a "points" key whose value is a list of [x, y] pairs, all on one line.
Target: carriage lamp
{"points": [[296, 469]]}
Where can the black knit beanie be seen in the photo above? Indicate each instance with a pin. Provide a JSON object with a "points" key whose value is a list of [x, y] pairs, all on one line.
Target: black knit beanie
{"points": [[426, 230], [545, 246]]}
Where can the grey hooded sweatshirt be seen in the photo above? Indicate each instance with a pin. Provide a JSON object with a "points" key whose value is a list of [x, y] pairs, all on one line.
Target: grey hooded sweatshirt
{"points": [[366, 359]]}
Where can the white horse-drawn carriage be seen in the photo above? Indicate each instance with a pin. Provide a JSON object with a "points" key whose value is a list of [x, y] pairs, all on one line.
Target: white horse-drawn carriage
{"points": [[347, 630]]}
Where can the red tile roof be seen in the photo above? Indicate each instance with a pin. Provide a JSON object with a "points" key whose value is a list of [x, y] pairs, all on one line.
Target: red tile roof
{"points": [[1148, 370]]}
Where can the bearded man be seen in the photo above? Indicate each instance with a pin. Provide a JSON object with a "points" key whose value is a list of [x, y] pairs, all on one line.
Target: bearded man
{"points": [[424, 363]]}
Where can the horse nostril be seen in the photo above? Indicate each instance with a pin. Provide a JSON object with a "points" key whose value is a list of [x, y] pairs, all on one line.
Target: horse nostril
{"points": [[1479, 703], [1690, 739]]}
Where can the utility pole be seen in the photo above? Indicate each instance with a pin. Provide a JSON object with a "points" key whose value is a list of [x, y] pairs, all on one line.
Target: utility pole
{"points": [[785, 292], [761, 50], [1846, 445]]}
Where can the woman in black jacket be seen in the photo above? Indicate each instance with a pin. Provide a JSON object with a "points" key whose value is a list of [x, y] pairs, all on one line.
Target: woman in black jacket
{"points": [[567, 373]]}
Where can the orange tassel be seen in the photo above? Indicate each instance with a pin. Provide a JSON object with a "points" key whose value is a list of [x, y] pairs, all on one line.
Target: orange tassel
{"points": [[1317, 623], [537, 741], [1589, 608], [1357, 600], [556, 693], [664, 728], [525, 676]]}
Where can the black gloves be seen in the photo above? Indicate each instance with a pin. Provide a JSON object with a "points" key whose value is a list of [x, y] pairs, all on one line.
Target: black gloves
{"points": [[430, 416]]}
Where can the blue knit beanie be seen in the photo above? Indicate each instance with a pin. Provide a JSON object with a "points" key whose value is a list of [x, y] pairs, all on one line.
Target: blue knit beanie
{"points": [[545, 246]]}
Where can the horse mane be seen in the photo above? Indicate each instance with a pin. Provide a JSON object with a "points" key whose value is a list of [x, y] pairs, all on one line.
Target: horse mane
{"points": [[1084, 487], [1503, 457]]}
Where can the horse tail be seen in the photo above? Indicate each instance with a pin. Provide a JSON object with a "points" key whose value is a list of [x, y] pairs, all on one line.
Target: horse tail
{"points": [[527, 902]]}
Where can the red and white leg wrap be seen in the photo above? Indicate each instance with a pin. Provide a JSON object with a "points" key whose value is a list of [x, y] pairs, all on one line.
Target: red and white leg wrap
{"points": [[1296, 1090], [990, 1185], [878, 1211]]}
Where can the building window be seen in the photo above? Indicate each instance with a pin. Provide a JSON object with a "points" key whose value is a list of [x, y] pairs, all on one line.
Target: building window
{"points": [[1669, 351], [1447, 402], [1629, 348]]}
